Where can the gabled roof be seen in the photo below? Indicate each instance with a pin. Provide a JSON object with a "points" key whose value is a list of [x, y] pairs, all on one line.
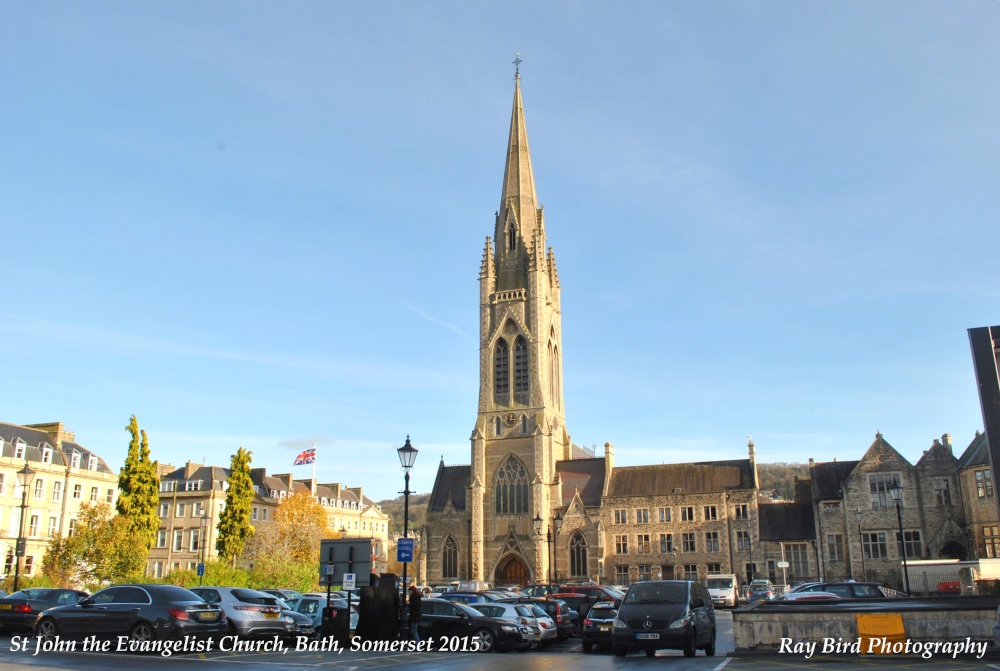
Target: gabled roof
{"points": [[695, 478], [786, 521], [585, 475], [977, 453], [451, 483], [828, 476]]}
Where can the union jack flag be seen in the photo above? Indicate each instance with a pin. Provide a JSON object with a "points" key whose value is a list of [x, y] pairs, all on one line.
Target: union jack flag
{"points": [[306, 457]]}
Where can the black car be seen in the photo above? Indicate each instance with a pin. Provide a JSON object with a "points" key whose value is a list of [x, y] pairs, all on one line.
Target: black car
{"points": [[142, 612], [658, 614], [19, 611], [597, 625], [442, 620]]}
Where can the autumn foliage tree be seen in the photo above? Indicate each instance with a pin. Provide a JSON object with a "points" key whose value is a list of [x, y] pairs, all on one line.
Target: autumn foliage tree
{"points": [[234, 521], [104, 549], [138, 488]]}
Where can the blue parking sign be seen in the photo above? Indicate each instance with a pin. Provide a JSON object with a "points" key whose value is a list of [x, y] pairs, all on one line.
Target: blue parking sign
{"points": [[404, 550]]}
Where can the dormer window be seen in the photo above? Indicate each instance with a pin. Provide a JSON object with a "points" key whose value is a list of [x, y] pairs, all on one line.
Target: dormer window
{"points": [[92, 463], [256, 489], [19, 447], [75, 459], [46, 455], [192, 485], [274, 493]]}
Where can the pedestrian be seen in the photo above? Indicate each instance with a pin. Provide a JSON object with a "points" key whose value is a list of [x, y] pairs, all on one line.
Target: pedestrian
{"points": [[416, 612]]}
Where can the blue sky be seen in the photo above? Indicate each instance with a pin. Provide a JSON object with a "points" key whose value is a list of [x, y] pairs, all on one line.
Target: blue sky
{"points": [[261, 224]]}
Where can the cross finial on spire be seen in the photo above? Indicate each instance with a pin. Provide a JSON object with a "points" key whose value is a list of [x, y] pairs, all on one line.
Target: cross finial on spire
{"points": [[517, 65]]}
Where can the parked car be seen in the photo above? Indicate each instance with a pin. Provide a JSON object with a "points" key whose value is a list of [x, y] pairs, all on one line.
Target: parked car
{"points": [[806, 596], [595, 592], [312, 607], [597, 625], [724, 588], [19, 611], [540, 589], [846, 590], [284, 594], [518, 613], [466, 597], [141, 612], [251, 613], [579, 606], [553, 617], [658, 614], [760, 590], [445, 618]]}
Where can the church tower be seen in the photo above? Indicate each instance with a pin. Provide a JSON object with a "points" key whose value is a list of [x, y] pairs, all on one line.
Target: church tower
{"points": [[520, 429]]}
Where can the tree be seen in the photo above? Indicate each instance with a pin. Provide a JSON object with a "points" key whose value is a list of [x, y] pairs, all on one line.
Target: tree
{"points": [[138, 488], [105, 549], [285, 551], [234, 521]]}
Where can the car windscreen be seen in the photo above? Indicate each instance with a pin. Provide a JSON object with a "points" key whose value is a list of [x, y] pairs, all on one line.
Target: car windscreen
{"points": [[468, 610], [720, 583], [177, 594], [657, 593], [253, 596]]}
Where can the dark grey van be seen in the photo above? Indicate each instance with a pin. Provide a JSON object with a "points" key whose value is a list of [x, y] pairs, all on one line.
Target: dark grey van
{"points": [[664, 614]]}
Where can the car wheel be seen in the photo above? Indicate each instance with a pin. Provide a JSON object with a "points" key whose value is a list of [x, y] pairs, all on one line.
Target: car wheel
{"points": [[47, 629], [141, 633], [619, 652], [689, 645], [486, 640], [650, 652], [587, 647], [710, 648]]}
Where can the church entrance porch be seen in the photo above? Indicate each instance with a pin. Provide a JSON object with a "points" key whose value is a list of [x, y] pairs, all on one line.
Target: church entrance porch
{"points": [[512, 570]]}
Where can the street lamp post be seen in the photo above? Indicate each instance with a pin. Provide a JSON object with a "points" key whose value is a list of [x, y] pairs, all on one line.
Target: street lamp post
{"points": [[896, 492], [861, 541], [203, 549], [674, 553], [24, 477], [407, 457], [556, 523]]}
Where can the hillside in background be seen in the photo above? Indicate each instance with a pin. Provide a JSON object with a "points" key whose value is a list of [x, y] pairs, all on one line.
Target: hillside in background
{"points": [[394, 509], [779, 477]]}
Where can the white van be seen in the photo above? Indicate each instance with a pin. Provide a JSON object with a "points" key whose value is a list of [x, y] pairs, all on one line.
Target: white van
{"points": [[724, 589]]}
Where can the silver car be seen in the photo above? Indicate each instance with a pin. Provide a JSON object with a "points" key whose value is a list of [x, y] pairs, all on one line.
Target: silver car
{"points": [[255, 614], [518, 613]]}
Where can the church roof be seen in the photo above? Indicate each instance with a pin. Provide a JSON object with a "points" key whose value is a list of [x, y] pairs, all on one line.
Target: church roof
{"points": [[786, 521], [977, 453], [693, 478], [585, 475], [518, 175], [828, 476], [451, 483]]}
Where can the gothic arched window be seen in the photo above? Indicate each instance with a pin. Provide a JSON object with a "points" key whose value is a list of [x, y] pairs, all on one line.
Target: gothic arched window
{"points": [[497, 427], [512, 236], [521, 365], [501, 372], [449, 558], [578, 555], [511, 487]]}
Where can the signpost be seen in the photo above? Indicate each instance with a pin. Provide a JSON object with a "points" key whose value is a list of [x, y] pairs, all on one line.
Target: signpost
{"points": [[404, 550], [349, 582], [783, 565]]}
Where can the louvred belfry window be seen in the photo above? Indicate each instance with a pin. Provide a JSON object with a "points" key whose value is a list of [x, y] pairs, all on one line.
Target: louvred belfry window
{"points": [[520, 365], [501, 372]]}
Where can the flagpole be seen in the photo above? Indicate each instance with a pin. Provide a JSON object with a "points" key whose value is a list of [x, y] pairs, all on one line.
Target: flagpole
{"points": [[314, 471]]}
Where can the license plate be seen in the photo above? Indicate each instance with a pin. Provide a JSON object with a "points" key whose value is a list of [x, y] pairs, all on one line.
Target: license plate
{"points": [[647, 636], [5, 606], [604, 627], [202, 616], [270, 616]]}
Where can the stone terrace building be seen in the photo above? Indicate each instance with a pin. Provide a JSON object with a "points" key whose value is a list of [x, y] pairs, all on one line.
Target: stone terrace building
{"points": [[193, 496], [67, 476], [979, 499]]}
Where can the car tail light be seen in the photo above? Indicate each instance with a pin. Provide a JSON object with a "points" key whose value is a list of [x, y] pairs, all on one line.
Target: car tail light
{"points": [[588, 621], [22, 608], [542, 624], [178, 613], [524, 621]]}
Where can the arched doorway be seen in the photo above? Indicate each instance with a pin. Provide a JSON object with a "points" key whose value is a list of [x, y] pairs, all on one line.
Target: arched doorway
{"points": [[954, 550], [512, 571]]}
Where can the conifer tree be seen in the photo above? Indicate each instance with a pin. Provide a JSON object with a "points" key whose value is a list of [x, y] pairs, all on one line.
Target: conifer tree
{"points": [[234, 521], [138, 487]]}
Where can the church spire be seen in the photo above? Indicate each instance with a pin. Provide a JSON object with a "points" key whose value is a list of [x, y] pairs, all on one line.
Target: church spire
{"points": [[518, 192]]}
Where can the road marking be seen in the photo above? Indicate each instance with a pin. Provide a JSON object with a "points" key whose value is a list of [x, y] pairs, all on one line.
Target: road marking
{"points": [[723, 664]]}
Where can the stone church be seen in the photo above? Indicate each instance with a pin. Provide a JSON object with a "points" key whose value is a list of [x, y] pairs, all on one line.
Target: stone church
{"points": [[532, 506]]}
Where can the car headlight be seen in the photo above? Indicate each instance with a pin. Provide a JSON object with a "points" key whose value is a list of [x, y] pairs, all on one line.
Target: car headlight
{"points": [[619, 624], [680, 623], [508, 627], [289, 619]]}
